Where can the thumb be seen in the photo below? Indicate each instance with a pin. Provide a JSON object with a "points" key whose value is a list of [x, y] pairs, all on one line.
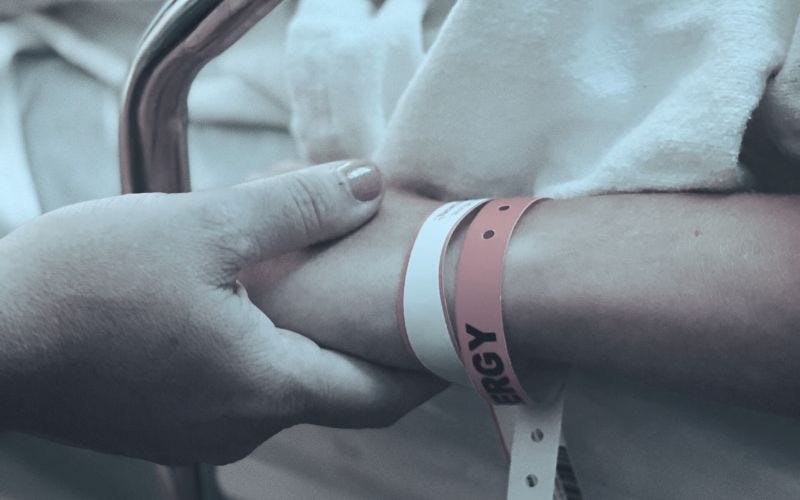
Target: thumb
{"points": [[269, 217]]}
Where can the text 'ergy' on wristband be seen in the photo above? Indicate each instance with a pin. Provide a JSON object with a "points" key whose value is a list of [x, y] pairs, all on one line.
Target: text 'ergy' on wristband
{"points": [[479, 314]]}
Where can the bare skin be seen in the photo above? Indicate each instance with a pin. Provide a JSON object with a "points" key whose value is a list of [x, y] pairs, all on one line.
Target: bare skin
{"points": [[692, 292], [122, 327]]}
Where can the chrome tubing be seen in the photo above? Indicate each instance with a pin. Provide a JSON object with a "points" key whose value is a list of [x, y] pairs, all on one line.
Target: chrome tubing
{"points": [[181, 40]]}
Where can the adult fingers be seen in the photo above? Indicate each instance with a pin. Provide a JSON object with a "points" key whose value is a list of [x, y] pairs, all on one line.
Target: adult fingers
{"points": [[339, 390], [268, 217]]}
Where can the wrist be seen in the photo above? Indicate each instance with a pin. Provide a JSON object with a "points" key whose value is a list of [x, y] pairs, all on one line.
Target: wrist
{"points": [[526, 337], [523, 291]]}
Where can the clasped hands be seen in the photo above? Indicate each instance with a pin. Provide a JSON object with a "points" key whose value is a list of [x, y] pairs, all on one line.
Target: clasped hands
{"points": [[129, 326]]}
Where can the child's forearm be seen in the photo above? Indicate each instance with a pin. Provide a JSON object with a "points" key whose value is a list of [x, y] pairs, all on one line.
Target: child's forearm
{"points": [[697, 293]]}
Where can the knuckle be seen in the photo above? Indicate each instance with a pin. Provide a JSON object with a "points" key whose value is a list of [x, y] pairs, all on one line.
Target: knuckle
{"points": [[394, 408], [308, 201], [390, 406], [385, 410], [221, 223], [291, 402]]}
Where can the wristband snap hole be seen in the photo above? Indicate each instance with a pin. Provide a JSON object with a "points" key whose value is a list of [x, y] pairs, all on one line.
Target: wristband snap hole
{"points": [[532, 480], [488, 234], [503, 208], [537, 435]]}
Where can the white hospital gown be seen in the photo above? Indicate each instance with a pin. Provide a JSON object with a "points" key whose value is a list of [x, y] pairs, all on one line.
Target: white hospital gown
{"points": [[504, 98]]}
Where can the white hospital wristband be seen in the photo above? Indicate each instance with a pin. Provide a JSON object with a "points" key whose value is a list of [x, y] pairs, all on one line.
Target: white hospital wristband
{"points": [[424, 310]]}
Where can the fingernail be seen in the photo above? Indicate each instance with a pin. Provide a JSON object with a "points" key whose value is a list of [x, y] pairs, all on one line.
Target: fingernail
{"points": [[363, 179]]}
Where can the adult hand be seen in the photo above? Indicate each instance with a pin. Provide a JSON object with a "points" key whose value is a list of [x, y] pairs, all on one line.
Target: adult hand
{"points": [[123, 329], [354, 284]]}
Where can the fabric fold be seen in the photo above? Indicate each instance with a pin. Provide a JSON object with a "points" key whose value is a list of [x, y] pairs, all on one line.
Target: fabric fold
{"points": [[348, 63]]}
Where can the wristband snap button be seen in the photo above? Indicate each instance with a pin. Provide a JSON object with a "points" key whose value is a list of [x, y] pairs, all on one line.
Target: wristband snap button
{"points": [[532, 480]]}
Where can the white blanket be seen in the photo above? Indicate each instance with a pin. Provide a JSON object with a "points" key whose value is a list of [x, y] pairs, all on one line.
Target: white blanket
{"points": [[568, 99], [539, 97]]}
